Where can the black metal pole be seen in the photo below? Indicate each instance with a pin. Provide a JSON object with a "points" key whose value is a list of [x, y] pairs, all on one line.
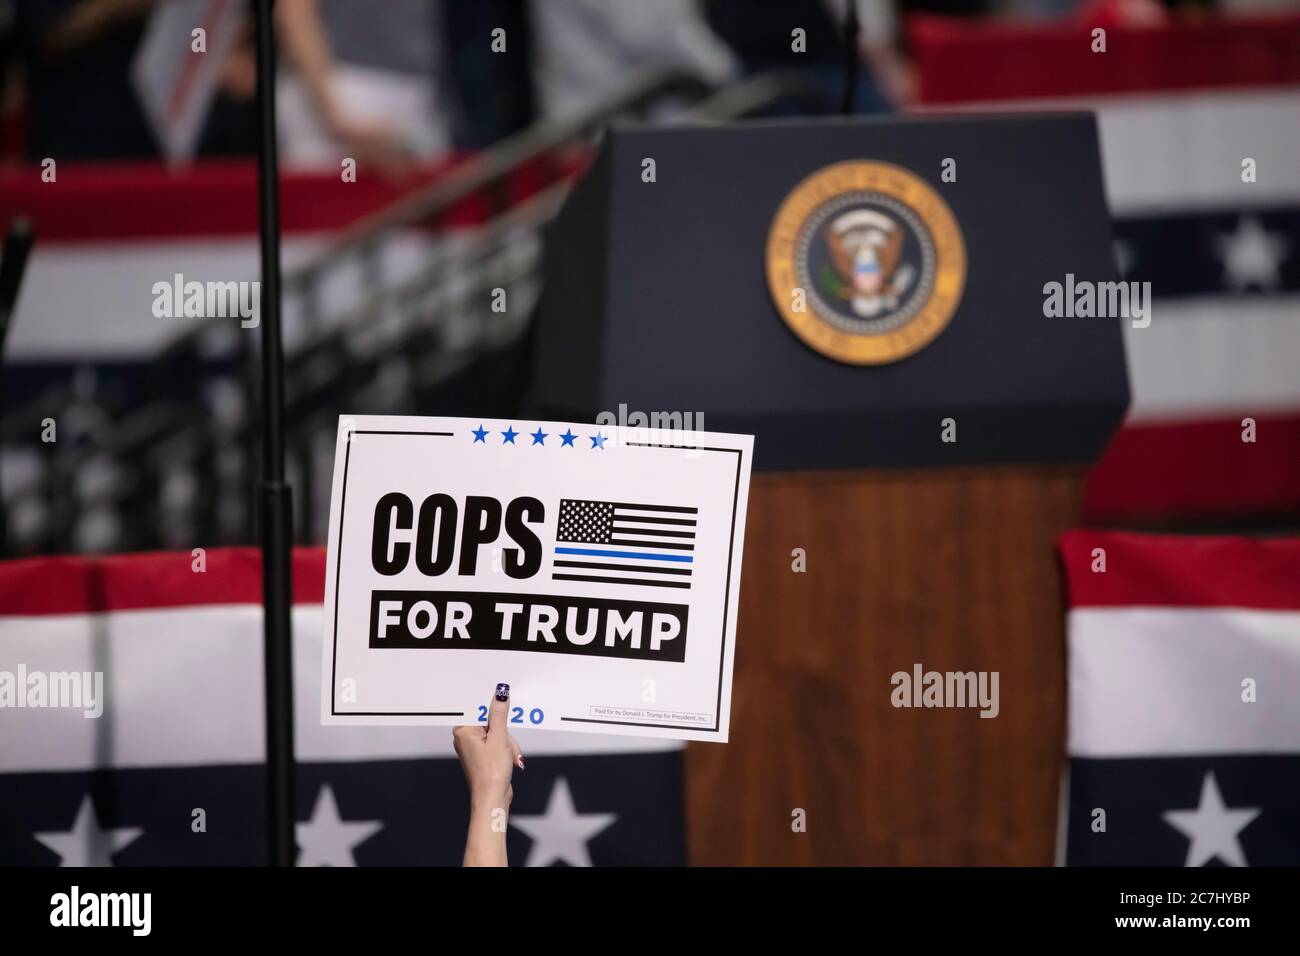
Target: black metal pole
{"points": [[13, 263], [276, 512], [851, 57]]}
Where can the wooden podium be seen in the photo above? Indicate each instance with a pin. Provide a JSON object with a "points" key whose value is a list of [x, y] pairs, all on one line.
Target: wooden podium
{"points": [[902, 513]]}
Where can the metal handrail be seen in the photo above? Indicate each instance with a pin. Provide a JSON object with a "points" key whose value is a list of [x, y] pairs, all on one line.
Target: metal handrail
{"points": [[749, 96]]}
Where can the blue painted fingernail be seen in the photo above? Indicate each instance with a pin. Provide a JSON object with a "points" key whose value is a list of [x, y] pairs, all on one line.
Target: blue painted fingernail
{"points": [[503, 691]]}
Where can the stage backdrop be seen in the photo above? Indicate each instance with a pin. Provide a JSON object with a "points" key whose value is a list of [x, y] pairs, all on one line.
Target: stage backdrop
{"points": [[171, 772]]}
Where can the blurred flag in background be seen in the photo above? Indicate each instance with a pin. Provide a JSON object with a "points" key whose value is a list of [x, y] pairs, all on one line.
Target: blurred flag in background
{"points": [[1200, 141], [1184, 701]]}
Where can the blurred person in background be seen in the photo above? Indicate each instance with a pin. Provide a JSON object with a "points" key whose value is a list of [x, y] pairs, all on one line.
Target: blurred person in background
{"points": [[81, 104], [587, 50], [77, 57], [761, 32], [362, 81], [11, 93], [494, 92]]}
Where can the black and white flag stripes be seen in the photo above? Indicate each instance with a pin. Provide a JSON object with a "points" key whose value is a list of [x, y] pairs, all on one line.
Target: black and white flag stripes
{"points": [[620, 543]]}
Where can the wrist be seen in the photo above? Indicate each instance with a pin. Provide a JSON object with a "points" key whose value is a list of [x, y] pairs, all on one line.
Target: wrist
{"points": [[328, 108], [333, 120], [486, 800]]}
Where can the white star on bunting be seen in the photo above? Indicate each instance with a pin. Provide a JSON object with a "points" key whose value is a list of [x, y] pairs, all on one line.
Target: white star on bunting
{"points": [[328, 840], [561, 833], [87, 843], [1251, 256], [1212, 827]]}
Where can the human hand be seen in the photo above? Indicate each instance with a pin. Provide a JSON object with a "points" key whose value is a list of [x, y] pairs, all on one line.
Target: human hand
{"points": [[372, 143], [895, 75], [488, 756]]}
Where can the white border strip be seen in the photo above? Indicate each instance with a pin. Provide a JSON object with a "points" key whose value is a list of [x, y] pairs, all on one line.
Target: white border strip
{"points": [[1151, 681], [1184, 150], [1212, 355]]}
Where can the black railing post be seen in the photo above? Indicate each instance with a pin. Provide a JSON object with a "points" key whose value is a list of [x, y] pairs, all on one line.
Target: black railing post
{"points": [[276, 512]]}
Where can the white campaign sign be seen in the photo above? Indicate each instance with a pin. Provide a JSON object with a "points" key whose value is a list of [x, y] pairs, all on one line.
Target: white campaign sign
{"points": [[595, 570]]}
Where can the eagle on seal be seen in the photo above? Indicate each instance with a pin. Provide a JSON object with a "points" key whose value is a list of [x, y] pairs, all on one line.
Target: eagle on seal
{"points": [[866, 247]]}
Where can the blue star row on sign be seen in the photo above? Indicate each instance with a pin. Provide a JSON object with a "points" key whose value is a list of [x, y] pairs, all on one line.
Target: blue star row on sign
{"points": [[539, 437]]}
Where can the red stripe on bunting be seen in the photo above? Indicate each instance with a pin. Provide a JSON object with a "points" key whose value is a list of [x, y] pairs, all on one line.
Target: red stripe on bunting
{"points": [[158, 579], [1198, 468], [1176, 571], [119, 202], [960, 60]]}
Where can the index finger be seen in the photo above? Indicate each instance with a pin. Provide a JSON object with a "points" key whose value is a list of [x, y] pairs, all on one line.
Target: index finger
{"points": [[498, 710]]}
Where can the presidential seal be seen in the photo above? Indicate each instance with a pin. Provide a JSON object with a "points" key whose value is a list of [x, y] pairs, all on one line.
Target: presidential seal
{"points": [[865, 262]]}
